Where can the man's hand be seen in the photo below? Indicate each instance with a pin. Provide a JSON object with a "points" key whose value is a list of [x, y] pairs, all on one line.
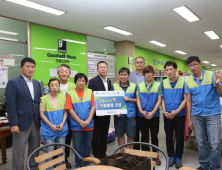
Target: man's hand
{"points": [[149, 115], [217, 78], [119, 115], [191, 125], [126, 98], [54, 128], [15, 129]]}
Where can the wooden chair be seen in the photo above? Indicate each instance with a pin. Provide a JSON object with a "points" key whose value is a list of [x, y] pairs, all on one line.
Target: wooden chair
{"points": [[59, 151], [187, 168], [144, 153]]}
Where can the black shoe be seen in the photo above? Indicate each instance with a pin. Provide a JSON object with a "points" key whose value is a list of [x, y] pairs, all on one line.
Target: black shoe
{"points": [[68, 165], [201, 168]]}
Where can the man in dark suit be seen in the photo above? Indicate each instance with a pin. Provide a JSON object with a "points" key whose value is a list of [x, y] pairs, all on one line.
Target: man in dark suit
{"points": [[101, 123], [22, 98]]}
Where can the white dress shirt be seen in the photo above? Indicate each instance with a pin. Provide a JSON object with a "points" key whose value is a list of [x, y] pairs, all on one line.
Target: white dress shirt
{"points": [[30, 85], [105, 82]]}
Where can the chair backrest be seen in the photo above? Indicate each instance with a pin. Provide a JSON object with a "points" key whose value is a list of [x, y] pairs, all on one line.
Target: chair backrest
{"points": [[43, 157], [145, 153], [52, 162]]}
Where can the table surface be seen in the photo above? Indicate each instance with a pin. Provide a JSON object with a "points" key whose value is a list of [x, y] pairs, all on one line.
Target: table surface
{"points": [[98, 167]]}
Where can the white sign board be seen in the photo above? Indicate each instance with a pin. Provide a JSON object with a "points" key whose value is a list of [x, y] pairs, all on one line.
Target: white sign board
{"points": [[73, 73], [3, 77], [94, 58], [9, 62], [53, 72]]}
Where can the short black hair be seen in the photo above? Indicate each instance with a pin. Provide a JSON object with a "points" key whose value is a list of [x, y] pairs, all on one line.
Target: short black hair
{"points": [[27, 59], [192, 59], [102, 62], [53, 79], [80, 75], [170, 63], [124, 69], [63, 65]]}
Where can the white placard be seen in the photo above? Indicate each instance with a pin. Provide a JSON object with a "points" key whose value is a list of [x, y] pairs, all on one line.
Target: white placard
{"points": [[73, 73], [94, 58], [53, 72], [3, 77], [9, 62], [131, 67], [1, 64]]}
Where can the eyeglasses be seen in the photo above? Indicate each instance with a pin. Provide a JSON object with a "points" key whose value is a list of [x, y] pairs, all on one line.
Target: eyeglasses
{"points": [[100, 68], [141, 62], [194, 66]]}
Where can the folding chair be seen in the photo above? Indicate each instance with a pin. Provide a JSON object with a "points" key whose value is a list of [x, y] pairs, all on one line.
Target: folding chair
{"points": [[144, 153], [45, 156]]}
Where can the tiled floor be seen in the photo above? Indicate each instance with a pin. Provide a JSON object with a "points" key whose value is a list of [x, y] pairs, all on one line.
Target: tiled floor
{"points": [[190, 156]]}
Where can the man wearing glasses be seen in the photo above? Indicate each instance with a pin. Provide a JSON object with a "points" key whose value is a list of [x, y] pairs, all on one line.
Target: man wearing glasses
{"points": [[137, 78], [204, 109], [101, 123]]}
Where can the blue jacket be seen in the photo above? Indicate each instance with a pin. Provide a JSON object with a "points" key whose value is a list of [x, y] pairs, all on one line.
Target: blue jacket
{"points": [[21, 108]]}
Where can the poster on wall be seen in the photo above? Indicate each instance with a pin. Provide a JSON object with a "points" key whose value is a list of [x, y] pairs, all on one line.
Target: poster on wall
{"points": [[3, 77], [94, 58]]}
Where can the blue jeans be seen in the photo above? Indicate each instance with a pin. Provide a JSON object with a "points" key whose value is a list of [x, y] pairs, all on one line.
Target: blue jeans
{"points": [[82, 144], [51, 148], [208, 126]]}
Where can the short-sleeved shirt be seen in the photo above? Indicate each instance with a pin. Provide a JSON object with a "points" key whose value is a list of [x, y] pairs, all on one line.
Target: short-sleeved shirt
{"points": [[70, 106], [124, 88], [173, 84], [199, 81], [140, 78], [160, 93]]}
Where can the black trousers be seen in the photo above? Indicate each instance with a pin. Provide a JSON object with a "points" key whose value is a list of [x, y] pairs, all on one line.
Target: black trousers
{"points": [[100, 133], [177, 124], [137, 138], [148, 127], [68, 141]]}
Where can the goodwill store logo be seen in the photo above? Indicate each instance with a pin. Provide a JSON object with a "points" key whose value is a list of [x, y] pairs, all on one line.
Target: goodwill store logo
{"points": [[61, 49]]}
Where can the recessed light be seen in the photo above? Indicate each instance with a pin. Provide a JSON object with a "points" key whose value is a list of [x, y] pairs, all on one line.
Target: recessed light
{"points": [[180, 52], [37, 6], [158, 43], [186, 13], [15, 54], [110, 28], [212, 35], [213, 65], [44, 49], [78, 42], [7, 32], [205, 62]]}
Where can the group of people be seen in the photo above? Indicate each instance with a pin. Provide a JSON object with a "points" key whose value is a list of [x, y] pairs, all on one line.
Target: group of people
{"points": [[68, 111]]}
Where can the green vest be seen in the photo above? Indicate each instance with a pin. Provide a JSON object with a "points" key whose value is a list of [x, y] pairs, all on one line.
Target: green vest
{"points": [[71, 86]]}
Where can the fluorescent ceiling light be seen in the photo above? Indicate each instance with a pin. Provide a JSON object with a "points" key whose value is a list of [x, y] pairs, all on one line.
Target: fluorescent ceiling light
{"points": [[8, 39], [83, 53], [158, 43], [79, 42], [117, 30], [44, 49], [75, 64], [186, 13], [46, 61], [220, 46], [15, 54], [212, 35], [104, 49], [37, 6], [213, 65], [7, 32], [205, 62], [180, 52]]}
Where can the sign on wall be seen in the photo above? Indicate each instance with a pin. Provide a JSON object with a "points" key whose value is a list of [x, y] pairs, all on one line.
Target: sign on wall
{"points": [[3, 77], [94, 58]]}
